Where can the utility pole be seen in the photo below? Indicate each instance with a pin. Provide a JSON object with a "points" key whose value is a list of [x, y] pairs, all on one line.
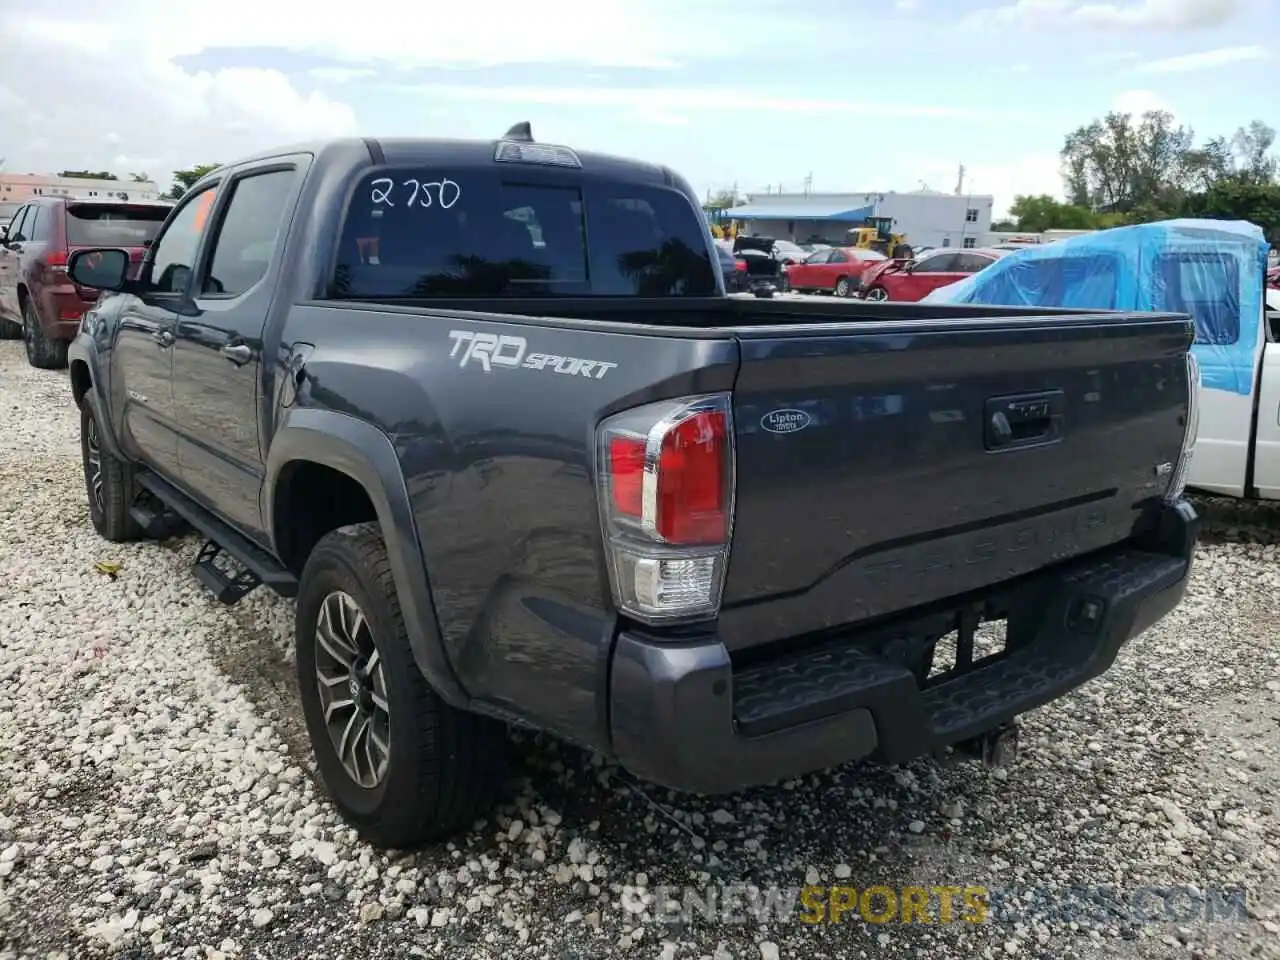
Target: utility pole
{"points": [[808, 183], [960, 182]]}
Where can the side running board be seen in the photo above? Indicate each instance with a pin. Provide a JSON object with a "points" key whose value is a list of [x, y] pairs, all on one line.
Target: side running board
{"points": [[257, 566]]}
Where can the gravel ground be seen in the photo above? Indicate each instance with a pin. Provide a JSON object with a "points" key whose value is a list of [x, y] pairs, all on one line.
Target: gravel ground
{"points": [[156, 795]]}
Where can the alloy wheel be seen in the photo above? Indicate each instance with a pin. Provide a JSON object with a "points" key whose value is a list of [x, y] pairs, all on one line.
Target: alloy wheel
{"points": [[353, 689], [93, 465], [877, 295]]}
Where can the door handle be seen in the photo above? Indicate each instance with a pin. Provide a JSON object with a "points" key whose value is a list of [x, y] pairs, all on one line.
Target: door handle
{"points": [[238, 353], [163, 337]]}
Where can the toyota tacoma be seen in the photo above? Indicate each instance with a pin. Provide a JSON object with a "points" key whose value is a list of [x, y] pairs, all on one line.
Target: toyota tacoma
{"points": [[484, 409]]}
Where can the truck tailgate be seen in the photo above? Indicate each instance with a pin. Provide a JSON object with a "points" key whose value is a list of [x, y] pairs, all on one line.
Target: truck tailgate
{"points": [[882, 467]]}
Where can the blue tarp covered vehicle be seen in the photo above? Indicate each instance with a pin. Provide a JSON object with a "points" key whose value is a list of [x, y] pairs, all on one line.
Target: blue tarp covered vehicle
{"points": [[1213, 270]]}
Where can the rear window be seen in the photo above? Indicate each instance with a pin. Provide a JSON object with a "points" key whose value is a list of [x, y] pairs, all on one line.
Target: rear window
{"points": [[410, 234], [111, 225], [1207, 287]]}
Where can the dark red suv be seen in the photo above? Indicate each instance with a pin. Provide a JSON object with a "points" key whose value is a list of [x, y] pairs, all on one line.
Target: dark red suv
{"points": [[37, 298]]}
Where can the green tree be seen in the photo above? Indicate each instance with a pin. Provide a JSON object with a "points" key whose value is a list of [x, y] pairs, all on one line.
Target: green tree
{"points": [[139, 177], [1233, 199], [89, 174], [724, 199], [1119, 162], [184, 180], [1252, 148], [1036, 214]]}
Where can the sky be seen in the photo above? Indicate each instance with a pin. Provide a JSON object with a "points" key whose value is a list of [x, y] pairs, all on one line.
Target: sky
{"points": [[850, 95]]}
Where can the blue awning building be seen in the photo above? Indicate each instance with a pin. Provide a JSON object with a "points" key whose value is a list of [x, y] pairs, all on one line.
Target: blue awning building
{"points": [[925, 217]]}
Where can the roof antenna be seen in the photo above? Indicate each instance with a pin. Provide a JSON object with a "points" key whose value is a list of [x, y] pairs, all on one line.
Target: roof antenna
{"points": [[522, 131]]}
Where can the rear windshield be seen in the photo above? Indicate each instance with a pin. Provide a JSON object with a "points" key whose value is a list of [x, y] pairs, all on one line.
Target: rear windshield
{"points": [[112, 225], [410, 234]]}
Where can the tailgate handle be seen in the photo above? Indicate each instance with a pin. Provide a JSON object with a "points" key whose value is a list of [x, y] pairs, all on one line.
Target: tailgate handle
{"points": [[1022, 421]]}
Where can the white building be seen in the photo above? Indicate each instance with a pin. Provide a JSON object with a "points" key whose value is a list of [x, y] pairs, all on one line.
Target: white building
{"points": [[924, 217], [25, 186]]}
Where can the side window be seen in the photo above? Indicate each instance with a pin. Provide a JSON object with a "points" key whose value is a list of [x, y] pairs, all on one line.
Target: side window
{"points": [[39, 224], [247, 235], [1206, 286], [17, 227], [836, 256], [819, 256], [942, 263], [970, 262], [175, 252]]}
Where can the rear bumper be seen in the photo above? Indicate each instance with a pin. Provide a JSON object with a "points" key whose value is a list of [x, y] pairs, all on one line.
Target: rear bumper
{"points": [[60, 312], [683, 717]]}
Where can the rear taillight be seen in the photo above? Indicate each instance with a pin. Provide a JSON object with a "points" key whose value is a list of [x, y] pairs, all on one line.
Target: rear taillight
{"points": [[55, 261], [666, 478], [740, 266], [1178, 483]]}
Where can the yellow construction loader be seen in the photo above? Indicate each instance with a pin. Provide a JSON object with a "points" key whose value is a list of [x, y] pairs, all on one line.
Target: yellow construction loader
{"points": [[877, 234]]}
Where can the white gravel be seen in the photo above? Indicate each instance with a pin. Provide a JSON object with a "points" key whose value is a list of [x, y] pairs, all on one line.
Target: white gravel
{"points": [[156, 797]]}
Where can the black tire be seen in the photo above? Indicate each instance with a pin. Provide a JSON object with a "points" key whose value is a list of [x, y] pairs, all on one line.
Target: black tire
{"points": [[42, 353], [442, 767], [10, 330], [109, 483], [843, 287]]}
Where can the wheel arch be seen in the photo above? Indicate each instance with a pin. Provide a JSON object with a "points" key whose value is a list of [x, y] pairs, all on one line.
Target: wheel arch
{"points": [[337, 448]]}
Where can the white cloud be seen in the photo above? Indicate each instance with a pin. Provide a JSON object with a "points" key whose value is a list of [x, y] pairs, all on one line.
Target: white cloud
{"points": [[340, 74], [1138, 102], [1204, 60], [1029, 174], [408, 33], [690, 99], [81, 101], [1119, 14]]}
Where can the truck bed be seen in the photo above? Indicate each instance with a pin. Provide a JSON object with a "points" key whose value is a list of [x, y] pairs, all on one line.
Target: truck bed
{"points": [[894, 494]]}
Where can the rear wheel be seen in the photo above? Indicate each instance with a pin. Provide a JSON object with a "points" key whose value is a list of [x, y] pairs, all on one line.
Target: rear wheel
{"points": [[10, 330], [42, 352], [401, 765], [877, 294], [842, 287]]}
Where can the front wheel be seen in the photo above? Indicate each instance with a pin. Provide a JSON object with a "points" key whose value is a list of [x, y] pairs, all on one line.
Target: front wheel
{"points": [[108, 483], [876, 294], [842, 287], [402, 766]]}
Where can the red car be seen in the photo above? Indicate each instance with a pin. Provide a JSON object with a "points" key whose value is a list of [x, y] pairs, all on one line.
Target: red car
{"points": [[37, 299], [911, 280], [1273, 277], [835, 270]]}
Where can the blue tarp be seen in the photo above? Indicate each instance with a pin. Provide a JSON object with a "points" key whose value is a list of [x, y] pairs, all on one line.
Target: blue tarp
{"points": [[1210, 269]]}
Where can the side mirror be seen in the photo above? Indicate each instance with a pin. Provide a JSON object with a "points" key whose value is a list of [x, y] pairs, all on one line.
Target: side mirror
{"points": [[103, 269]]}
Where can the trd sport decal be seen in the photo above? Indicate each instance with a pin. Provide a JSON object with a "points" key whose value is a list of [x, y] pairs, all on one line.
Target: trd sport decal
{"points": [[487, 350]]}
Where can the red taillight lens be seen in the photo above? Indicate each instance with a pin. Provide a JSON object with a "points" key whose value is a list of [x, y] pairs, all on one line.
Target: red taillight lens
{"points": [[740, 266], [626, 474], [692, 488], [666, 480], [56, 259]]}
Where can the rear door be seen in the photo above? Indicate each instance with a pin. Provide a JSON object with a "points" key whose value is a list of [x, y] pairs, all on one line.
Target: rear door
{"points": [[217, 365]]}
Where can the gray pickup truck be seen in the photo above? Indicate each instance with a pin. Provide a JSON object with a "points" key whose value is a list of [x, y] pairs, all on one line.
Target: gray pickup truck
{"points": [[485, 410]]}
